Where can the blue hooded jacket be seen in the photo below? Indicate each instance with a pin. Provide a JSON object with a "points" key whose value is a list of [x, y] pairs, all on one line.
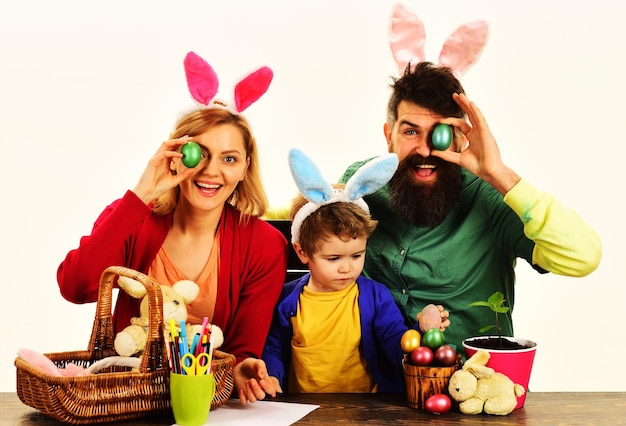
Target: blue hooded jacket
{"points": [[382, 327]]}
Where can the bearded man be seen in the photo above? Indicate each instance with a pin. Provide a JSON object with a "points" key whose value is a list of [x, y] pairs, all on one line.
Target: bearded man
{"points": [[452, 223]]}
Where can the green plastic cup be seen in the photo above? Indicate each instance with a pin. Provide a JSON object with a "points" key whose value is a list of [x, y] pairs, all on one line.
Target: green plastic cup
{"points": [[191, 397]]}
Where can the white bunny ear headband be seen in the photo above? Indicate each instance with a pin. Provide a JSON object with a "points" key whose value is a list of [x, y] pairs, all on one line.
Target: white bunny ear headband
{"points": [[372, 176], [204, 85], [461, 49]]}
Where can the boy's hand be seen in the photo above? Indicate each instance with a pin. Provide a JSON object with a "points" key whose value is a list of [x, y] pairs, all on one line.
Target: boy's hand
{"points": [[252, 383], [433, 317]]}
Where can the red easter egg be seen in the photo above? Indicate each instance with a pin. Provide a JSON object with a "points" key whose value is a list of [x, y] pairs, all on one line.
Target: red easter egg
{"points": [[422, 356], [438, 403], [445, 355]]}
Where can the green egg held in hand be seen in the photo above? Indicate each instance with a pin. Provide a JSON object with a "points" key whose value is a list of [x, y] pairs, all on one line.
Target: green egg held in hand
{"points": [[442, 137], [192, 154]]}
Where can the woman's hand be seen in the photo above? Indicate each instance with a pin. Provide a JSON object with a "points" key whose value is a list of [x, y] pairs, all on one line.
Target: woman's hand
{"points": [[162, 173], [252, 382]]}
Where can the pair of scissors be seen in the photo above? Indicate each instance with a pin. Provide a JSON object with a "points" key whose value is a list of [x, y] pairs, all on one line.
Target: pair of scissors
{"points": [[195, 365]]}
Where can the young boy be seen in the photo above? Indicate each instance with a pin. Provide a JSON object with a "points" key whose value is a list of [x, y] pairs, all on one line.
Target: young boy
{"points": [[334, 330]]}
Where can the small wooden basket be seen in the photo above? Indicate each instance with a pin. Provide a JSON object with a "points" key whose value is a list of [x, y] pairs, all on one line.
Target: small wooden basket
{"points": [[117, 393], [423, 382]]}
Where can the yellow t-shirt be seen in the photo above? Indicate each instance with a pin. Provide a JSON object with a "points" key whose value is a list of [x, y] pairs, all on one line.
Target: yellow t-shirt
{"points": [[326, 354]]}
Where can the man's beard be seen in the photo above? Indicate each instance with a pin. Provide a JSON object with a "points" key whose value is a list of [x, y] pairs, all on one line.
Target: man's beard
{"points": [[424, 204]]}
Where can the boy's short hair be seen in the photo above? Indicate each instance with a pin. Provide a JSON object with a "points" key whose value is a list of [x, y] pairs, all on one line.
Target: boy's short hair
{"points": [[341, 219]]}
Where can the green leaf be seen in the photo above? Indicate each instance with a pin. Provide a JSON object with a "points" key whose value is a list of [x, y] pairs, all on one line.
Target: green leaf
{"points": [[480, 303], [496, 299], [495, 303], [488, 327]]}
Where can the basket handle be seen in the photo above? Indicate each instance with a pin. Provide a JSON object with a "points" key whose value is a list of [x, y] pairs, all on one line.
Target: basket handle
{"points": [[102, 337]]}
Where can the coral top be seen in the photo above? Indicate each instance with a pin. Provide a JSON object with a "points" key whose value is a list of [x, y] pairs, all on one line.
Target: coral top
{"points": [[166, 273]]}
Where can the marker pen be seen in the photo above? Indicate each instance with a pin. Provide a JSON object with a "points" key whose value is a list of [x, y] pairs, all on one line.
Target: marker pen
{"points": [[183, 339]]}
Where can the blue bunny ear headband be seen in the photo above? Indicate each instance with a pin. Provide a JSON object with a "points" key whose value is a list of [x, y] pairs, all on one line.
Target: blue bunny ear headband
{"points": [[369, 178]]}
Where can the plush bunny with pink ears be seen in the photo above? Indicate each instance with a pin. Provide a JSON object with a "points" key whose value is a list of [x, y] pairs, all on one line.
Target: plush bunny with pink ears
{"points": [[459, 52], [203, 84]]}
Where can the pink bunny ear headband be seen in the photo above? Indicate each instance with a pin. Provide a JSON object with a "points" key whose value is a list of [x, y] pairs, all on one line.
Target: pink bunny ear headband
{"points": [[203, 85], [459, 52]]}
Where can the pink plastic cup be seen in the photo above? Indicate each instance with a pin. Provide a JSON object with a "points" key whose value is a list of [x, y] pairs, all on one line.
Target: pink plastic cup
{"points": [[515, 364]]}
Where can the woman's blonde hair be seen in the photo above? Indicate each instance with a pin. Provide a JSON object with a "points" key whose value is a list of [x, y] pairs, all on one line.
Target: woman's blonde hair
{"points": [[249, 196]]}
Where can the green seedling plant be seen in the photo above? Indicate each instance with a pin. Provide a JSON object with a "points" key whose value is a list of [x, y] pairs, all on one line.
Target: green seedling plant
{"points": [[496, 304]]}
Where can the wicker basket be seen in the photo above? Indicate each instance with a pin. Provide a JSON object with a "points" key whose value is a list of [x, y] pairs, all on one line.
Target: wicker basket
{"points": [[116, 393], [423, 382]]}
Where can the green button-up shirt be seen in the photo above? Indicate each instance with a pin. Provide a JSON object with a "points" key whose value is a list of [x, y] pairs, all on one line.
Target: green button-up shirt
{"points": [[473, 252]]}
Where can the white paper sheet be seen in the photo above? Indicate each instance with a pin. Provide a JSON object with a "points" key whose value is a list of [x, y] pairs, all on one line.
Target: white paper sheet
{"points": [[260, 413]]}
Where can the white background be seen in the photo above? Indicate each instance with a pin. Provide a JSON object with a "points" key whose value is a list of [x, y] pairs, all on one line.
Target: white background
{"points": [[89, 90]]}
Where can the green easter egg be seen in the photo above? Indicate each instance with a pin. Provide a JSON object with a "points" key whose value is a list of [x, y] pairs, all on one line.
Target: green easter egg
{"points": [[433, 338], [192, 154], [442, 137]]}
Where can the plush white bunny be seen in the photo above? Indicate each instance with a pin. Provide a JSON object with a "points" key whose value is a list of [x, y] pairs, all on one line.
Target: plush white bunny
{"points": [[132, 339], [479, 389]]}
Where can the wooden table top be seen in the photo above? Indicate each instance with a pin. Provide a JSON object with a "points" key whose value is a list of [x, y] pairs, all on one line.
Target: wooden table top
{"points": [[541, 408]]}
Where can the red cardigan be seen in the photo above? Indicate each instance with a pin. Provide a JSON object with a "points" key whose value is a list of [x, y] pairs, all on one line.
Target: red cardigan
{"points": [[253, 264]]}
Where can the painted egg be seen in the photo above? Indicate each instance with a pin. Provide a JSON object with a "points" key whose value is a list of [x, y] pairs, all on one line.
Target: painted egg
{"points": [[433, 338], [438, 403], [442, 137], [422, 356], [192, 154], [430, 317], [445, 355], [410, 340]]}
